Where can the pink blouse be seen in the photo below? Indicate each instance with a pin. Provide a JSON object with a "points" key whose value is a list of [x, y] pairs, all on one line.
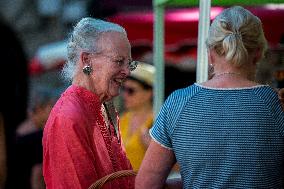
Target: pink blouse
{"points": [[78, 148]]}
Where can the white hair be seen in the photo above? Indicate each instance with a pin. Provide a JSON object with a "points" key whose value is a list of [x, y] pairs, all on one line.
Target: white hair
{"points": [[235, 33], [83, 38]]}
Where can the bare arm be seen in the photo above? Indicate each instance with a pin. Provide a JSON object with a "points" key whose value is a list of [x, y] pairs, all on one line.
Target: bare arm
{"points": [[155, 167], [37, 181]]}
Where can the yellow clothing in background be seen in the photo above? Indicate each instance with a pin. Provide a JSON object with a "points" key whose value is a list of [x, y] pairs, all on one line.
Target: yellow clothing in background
{"points": [[133, 143]]}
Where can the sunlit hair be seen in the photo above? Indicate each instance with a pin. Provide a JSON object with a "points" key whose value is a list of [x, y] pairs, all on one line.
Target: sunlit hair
{"points": [[235, 33], [83, 38]]}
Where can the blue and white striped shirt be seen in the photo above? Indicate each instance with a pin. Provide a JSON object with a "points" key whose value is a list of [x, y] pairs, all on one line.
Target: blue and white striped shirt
{"points": [[224, 138]]}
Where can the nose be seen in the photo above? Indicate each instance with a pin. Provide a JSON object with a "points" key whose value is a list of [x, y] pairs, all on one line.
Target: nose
{"points": [[126, 70]]}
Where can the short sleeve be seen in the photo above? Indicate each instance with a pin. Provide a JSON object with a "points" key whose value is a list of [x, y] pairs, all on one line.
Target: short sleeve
{"points": [[164, 126], [160, 131], [271, 99]]}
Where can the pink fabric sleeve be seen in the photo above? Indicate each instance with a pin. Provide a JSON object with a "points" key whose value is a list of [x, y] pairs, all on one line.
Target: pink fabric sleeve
{"points": [[70, 162]]}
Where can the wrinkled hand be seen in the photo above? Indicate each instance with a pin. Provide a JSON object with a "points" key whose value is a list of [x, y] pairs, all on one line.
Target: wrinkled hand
{"points": [[281, 97]]}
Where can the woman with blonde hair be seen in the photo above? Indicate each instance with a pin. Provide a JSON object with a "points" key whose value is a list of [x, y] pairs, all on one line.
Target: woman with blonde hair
{"points": [[227, 132]]}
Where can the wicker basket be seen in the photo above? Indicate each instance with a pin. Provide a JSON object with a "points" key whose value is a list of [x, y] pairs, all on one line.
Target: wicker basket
{"points": [[119, 174]]}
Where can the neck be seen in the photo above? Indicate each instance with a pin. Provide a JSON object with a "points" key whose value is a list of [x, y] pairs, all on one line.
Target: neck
{"points": [[142, 109], [227, 74], [245, 76], [230, 80], [83, 82], [88, 84]]}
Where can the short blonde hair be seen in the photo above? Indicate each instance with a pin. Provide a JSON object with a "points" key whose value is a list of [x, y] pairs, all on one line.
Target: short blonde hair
{"points": [[235, 33]]}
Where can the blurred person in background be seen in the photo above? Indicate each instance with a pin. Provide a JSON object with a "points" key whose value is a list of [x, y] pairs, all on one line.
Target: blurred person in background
{"points": [[135, 122], [13, 101], [29, 139], [41, 103], [81, 140], [3, 153], [228, 131]]}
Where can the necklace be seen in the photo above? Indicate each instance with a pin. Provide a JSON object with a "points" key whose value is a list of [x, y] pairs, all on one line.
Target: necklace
{"points": [[109, 113], [226, 73]]}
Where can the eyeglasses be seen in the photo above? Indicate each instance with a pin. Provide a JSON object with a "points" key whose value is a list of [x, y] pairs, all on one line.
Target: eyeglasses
{"points": [[132, 65], [120, 62], [129, 90]]}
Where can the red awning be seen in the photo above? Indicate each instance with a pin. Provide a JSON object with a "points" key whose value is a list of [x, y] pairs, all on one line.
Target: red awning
{"points": [[181, 25], [181, 32]]}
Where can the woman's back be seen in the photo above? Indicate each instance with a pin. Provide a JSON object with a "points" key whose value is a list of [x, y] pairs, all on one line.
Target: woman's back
{"points": [[233, 139], [226, 132]]}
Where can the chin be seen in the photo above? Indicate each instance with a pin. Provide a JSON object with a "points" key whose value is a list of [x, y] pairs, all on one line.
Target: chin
{"points": [[113, 95]]}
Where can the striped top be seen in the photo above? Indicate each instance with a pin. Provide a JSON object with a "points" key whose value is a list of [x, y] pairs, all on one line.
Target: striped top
{"points": [[224, 138]]}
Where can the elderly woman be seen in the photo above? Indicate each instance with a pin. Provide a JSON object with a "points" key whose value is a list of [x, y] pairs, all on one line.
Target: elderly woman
{"points": [[227, 132], [81, 138]]}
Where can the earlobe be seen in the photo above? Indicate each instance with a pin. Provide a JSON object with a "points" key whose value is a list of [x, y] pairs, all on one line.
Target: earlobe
{"points": [[85, 59], [210, 58]]}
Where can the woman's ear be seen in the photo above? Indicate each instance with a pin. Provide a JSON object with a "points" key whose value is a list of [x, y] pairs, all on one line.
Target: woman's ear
{"points": [[211, 58], [85, 58]]}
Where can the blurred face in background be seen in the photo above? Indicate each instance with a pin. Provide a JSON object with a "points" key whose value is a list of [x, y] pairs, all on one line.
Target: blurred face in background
{"points": [[134, 95], [41, 112]]}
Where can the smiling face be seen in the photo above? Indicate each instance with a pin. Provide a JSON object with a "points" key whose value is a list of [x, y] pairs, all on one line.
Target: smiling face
{"points": [[110, 65]]}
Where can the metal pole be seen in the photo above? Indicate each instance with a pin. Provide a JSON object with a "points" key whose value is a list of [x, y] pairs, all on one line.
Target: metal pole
{"points": [[158, 50], [203, 27]]}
